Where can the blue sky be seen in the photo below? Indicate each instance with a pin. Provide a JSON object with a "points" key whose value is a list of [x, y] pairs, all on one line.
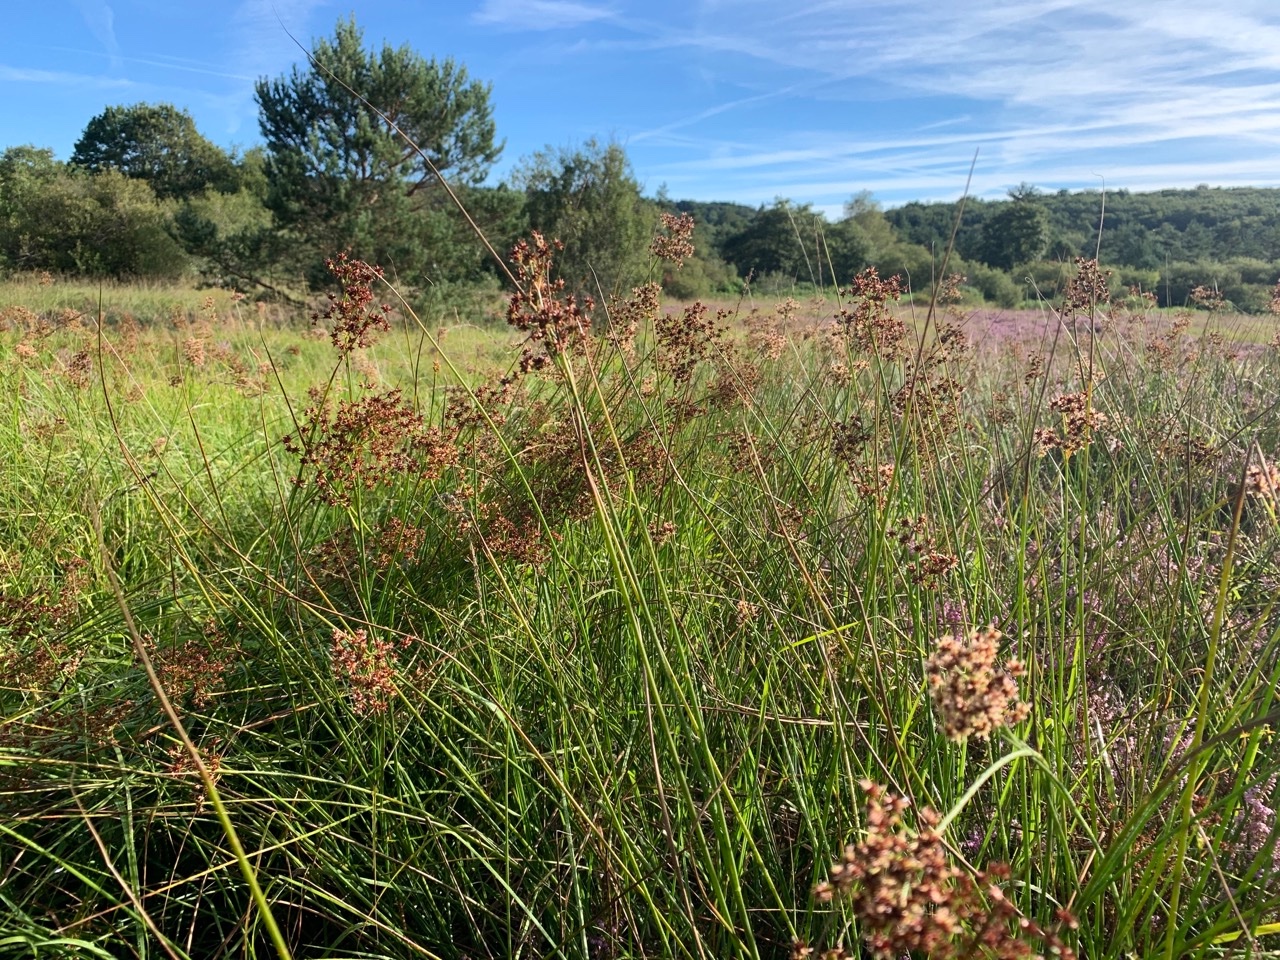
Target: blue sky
{"points": [[742, 100]]}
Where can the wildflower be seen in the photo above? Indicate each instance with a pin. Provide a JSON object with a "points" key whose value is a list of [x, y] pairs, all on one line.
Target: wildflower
{"points": [[971, 694]]}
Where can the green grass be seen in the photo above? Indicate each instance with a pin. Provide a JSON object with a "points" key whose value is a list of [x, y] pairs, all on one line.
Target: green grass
{"points": [[630, 643]]}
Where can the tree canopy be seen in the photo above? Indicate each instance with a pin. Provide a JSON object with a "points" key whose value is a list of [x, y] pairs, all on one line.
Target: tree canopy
{"points": [[342, 174], [589, 200], [157, 143]]}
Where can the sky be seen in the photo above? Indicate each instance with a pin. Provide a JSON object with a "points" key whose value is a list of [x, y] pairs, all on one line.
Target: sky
{"points": [[742, 100]]}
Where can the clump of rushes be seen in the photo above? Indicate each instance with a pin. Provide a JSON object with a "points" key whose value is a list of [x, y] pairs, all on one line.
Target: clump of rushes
{"points": [[972, 695], [909, 898]]}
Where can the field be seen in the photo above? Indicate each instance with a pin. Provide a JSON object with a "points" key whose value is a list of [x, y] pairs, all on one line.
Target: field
{"points": [[648, 632]]}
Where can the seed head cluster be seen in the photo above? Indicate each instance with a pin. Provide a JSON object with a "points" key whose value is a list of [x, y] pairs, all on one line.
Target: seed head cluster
{"points": [[366, 442], [1088, 289], [686, 339], [868, 322], [675, 241], [972, 695], [353, 316], [366, 666], [1080, 420], [1207, 298], [555, 322], [1262, 480], [909, 898]]}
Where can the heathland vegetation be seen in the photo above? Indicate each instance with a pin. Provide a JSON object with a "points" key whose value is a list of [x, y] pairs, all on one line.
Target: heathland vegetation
{"points": [[517, 606]]}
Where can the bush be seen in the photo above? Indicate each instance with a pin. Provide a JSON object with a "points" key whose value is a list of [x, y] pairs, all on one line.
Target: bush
{"points": [[995, 285]]}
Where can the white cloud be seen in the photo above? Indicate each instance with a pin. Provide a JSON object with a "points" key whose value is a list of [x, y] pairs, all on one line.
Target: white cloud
{"points": [[540, 14]]}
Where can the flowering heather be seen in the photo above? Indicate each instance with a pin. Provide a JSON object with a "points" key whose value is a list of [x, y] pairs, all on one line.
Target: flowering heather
{"points": [[971, 694], [353, 316]]}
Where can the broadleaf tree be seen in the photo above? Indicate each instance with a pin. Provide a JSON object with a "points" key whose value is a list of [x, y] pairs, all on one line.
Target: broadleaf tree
{"points": [[157, 143], [1018, 232], [588, 199]]}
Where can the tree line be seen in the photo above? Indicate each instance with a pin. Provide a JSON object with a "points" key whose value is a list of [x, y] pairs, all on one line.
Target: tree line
{"points": [[362, 147]]}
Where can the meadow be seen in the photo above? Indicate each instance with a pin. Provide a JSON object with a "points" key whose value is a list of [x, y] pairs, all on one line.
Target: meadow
{"points": [[813, 629]]}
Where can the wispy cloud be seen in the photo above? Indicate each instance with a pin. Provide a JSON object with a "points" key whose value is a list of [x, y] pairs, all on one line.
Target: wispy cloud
{"points": [[264, 37], [1052, 91], [540, 14], [166, 62], [262, 28], [101, 21], [60, 77]]}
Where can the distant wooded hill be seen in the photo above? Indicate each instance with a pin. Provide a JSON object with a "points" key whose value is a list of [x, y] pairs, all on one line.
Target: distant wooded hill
{"points": [[1166, 242]]}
